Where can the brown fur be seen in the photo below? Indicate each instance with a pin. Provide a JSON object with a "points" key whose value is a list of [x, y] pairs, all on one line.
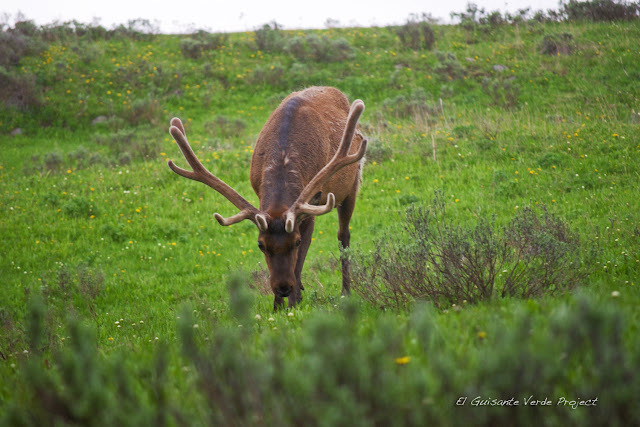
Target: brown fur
{"points": [[314, 137]]}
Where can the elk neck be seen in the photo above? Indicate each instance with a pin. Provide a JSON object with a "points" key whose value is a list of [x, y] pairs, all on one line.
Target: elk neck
{"points": [[282, 180]]}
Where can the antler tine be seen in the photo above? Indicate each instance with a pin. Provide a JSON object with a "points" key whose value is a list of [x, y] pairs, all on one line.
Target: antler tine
{"points": [[340, 159], [201, 174], [352, 120], [178, 123]]}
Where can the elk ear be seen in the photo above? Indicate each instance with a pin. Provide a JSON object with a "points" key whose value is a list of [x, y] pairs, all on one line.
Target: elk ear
{"points": [[261, 222]]}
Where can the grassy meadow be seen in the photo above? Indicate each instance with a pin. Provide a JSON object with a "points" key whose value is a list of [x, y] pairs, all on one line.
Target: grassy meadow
{"points": [[124, 302]]}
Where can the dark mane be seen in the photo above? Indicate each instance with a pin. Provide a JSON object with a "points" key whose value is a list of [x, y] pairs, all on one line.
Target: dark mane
{"points": [[289, 111], [282, 164]]}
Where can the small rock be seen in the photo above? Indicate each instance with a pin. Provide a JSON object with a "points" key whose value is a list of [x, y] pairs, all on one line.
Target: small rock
{"points": [[470, 59], [16, 132], [499, 68], [99, 119]]}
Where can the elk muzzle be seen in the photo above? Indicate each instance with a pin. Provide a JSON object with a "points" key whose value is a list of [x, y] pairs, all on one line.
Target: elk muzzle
{"points": [[282, 266]]}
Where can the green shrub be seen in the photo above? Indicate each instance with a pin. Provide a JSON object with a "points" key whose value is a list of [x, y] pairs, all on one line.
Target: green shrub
{"points": [[350, 369], [51, 199], [470, 20], [193, 47], [416, 105], [79, 207], [269, 38], [112, 232], [53, 161], [550, 159], [446, 264], [127, 145], [557, 44], [142, 111], [18, 90], [503, 91], [79, 388], [90, 282], [297, 46], [300, 74], [378, 151], [477, 21], [345, 378], [579, 356], [123, 137], [600, 10], [272, 75], [493, 19], [448, 66], [66, 31], [324, 49], [15, 45], [124, 158], [224, 127], [136, 29], [75, 286], [341, 50], [80, 155], [429, 36], [320, 48], [416, 34]]}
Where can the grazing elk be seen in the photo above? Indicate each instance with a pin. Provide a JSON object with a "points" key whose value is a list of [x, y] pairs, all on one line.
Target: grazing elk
{"points": [[308, 159]]}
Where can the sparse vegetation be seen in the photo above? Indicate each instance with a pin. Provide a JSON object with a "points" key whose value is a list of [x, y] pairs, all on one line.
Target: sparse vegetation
{"points": [[448, 264]]}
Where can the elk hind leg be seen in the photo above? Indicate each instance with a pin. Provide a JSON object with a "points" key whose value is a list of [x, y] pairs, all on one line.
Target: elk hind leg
{"points": [[345, 210]]}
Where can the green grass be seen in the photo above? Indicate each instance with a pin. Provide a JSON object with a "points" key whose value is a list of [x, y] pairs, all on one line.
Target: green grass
{"points": [[123, 247]]}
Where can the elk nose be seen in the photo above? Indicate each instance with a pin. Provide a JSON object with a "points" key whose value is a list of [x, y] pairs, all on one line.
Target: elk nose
{"points": [[283, 290]]}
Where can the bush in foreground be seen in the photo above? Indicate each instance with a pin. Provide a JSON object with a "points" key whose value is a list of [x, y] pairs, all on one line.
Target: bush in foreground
{"points": [[341, 369]]}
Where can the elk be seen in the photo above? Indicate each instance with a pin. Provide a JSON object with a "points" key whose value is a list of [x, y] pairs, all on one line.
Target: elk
{"points": [[308, 158]]}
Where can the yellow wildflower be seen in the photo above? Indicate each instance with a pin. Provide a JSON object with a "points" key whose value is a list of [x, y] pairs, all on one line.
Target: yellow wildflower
{"points": [[402, 360]]}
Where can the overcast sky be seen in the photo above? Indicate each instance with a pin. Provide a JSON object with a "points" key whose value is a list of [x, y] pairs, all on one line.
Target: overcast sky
{"points": [[240, 15]]}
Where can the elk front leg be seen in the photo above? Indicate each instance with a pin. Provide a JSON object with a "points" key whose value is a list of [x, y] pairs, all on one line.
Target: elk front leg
{"points": [[306, 231], [345, 210], [278, 303]]}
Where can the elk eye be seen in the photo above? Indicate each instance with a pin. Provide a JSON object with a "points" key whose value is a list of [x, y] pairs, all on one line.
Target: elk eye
{"points": [[261, 246], [298, 242]]}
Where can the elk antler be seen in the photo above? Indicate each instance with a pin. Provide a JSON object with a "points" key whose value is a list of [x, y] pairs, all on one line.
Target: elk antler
{"points": [[200, 173], [340, 159]]}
